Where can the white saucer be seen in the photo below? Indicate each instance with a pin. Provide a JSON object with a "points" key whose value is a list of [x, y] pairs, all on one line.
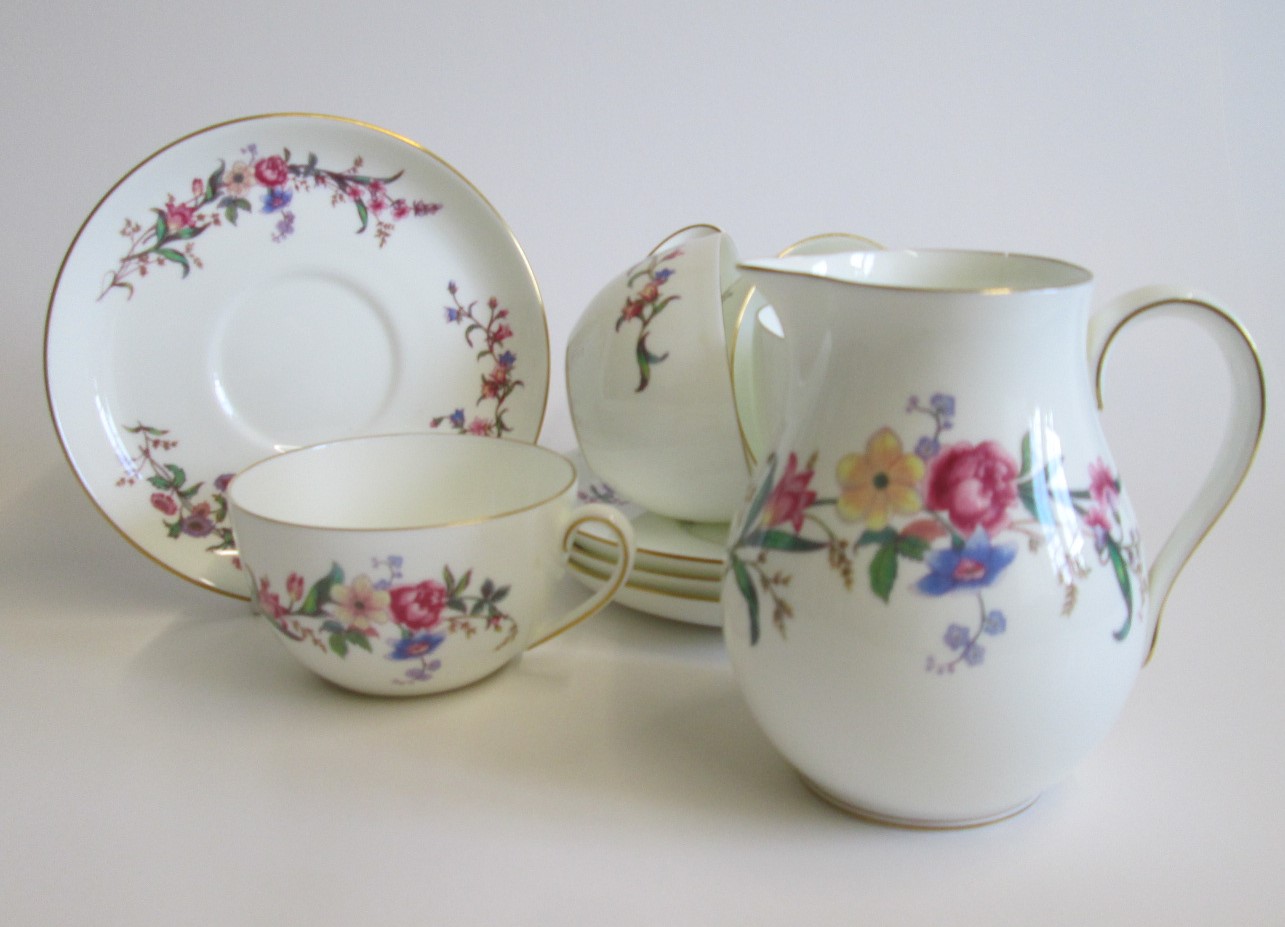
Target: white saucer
{"points": [[678, 571], [663, 583], [665, 545], [271, 282], [639, 594]]}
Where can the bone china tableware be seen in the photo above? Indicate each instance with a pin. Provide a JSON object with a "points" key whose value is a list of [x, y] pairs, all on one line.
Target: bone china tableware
{"points": [[678, 570], [665, 545], [937, 601], [655, 596], [648, 381], [758, 361], [268, 283], [415, 563]]}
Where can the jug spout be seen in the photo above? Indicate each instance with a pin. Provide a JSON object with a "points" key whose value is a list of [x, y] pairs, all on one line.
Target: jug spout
{"points": [[788, 282], [765, 362], [931, 308], [843, 265]]}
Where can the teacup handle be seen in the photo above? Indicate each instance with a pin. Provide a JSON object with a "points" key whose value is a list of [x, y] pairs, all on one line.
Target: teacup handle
{"points": [[615, 522], [1244, 430]]}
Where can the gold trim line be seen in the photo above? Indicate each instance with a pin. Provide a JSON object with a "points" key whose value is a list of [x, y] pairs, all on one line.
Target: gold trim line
{"points": [[601, 597], [1253, 453], [1083, 275], [636, 584], [462, 440]]}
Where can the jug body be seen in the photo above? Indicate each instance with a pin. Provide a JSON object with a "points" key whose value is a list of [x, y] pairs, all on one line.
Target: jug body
{"points": [[936, 600]]}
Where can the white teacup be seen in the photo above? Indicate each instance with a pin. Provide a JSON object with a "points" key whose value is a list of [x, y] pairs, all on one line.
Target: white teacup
{"points": [[649, 385], [414, 563], [673, 375]]}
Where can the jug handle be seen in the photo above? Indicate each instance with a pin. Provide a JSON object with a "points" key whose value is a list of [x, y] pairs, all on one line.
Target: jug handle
{"points": [[1244, 430]]}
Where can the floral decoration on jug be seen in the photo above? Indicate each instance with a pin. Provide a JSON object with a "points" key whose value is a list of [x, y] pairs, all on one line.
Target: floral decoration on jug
{"points": [[957, 513]]}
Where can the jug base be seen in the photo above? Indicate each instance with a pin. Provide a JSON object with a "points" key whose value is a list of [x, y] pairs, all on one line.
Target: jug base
{"points": [[910, 823]]}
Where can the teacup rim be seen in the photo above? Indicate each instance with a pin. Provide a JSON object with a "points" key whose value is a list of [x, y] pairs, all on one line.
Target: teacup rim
{"points": [[315, 525]]}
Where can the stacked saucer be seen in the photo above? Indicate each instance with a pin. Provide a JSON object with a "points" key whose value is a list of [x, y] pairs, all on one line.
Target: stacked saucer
{"points": [[679, 569]]}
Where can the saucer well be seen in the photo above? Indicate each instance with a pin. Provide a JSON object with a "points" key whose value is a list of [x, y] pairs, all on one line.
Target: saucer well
{"points": [[271, 282]]}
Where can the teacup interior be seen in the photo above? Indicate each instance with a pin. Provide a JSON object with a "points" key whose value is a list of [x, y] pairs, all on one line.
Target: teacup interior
{"points": [[401, 481]]}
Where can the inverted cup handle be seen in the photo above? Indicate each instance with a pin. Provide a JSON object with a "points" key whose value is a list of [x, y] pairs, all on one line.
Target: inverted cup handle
{"points": [[615, 522], [1245, 425]]}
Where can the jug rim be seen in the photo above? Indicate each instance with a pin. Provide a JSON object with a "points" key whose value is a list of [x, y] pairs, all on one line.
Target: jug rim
{"points": [[1053, 274]]}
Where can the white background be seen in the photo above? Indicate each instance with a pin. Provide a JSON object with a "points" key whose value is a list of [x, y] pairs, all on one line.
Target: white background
{"points": [[163, 762]]}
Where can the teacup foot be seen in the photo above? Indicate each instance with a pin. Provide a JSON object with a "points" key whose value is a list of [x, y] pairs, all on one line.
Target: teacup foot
{"points": [[909, 823]]}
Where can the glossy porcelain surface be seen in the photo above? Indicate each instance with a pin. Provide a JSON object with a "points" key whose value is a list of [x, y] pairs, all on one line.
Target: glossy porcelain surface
{"points": [[415, 563], [679, 566], [937, 600], [759, 361], [269, 283], [665, 545], [644, 595], [649, 384]]}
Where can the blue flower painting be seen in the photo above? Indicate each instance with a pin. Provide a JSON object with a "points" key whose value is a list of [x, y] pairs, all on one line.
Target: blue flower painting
{"points": [[972, 566]]}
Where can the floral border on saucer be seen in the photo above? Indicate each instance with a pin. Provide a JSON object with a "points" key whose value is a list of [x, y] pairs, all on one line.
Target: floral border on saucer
{"points": [[222, 198], [188, 509], [498, 381]]}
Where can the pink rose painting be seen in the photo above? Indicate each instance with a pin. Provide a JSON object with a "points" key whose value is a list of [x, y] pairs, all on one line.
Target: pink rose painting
{"points": [[974, 485], [418, 607], [272, 171]]}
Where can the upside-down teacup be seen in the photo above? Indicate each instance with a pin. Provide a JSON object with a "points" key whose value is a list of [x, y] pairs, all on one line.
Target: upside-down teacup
{"points": [[648, 380], [672, 374]]}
